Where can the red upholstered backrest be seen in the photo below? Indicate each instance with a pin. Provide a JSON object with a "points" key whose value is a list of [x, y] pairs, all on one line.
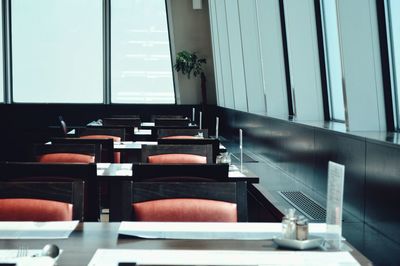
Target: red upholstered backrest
{"points": [[177, 158], [180, 137], [34, 210], [66, 158], [117, 155], [185, 210]]}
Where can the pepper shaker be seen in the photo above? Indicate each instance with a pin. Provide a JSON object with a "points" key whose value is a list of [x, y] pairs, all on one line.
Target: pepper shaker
{"points": [[302, 228]]}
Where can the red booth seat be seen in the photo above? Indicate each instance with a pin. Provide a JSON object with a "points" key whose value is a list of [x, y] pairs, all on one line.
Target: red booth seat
{"points": [[66, 158], [34, 210], [177, 158], [185, 210], [117, 155]]}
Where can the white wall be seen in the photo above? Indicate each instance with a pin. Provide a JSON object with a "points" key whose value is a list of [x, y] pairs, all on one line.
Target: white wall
{"points": [[191, 32], [358, 31], [305, 75], [226, 73], [273, 65], [247, 47], [216, 54], [251, 56], [236, 54], [251, 64]]}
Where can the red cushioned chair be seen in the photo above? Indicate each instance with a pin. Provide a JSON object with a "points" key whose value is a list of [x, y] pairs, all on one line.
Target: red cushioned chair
{"points": [[117, 155], [193, 141], [182, 202], [122, 121], [65, 153], [41, 201], [177, 154], [24, 172], [181, 172], [96, 135], [171, 122], [177, 158]]}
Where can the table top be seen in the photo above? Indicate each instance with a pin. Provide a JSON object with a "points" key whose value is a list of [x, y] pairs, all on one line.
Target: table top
{"points": [[79, 248], [137, 145], [124, 170]]}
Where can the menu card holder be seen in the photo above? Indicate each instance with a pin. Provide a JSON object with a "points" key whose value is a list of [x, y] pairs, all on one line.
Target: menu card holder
{"points": [[241, 149], [217, 127], [334, 209], [201, 120]]}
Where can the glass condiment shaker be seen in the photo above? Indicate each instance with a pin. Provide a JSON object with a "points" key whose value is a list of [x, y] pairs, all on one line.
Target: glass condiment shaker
{"points": [[302, 228], [226, 158], [289, 225]]}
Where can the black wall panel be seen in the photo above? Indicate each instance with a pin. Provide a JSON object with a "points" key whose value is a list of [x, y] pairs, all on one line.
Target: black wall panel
{"points": [[382, 201], [372, 172], [346, 150]]}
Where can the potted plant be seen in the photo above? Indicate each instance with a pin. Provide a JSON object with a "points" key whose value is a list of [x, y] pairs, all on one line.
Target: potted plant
{"points": [[189, 63]]}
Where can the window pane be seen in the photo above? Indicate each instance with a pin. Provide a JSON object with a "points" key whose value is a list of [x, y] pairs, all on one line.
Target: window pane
{"points": [[333, 63], [394, 33], [57, 51], [141, 70]]}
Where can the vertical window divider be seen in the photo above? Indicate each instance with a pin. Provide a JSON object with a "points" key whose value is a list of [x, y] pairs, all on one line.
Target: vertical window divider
{"points": [[171, 37], [385, 63], [320, 39], [107, 51], [7, 63], [286, 59]]}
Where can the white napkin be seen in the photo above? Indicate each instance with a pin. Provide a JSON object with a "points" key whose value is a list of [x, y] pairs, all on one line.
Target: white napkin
{"points": [[33, 261]]}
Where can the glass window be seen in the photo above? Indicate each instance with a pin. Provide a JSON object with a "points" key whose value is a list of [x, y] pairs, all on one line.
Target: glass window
{"points": [[141, 69], [393, 11], [333, 59], [57, 51]]}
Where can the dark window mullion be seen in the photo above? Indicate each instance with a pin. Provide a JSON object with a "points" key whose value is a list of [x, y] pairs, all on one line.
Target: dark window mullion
{"points": [[286, 58], [322, 60], [7, 51], [385, 62], [107, 51]]}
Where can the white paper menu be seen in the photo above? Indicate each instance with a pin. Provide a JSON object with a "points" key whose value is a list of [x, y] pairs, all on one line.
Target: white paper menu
{"points": [[36, 230], [334, 207], [209, 230], [111, 257]]}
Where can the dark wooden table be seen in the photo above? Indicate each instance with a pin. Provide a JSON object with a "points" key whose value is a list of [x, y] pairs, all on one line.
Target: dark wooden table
{"points": [[79, 248], [123, 171]]}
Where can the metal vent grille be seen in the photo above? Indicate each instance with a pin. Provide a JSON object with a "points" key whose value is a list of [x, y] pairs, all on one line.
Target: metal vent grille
{"points": [[246, 158], [305, 205]]}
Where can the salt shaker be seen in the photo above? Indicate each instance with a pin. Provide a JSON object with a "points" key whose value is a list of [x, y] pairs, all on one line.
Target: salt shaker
{"points": [[302, 228], [289, 225]]}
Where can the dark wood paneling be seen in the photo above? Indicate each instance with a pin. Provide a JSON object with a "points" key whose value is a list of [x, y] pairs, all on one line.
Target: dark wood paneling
{"points": [[382, 192], [372, 174], [297, 158], [350, 152]]}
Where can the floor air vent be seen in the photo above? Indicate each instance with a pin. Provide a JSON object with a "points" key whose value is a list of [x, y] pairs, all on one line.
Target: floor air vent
{"points": [[305, 205], [246, 158]]}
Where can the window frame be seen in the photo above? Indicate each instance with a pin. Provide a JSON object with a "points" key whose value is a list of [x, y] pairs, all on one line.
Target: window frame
{"points": [[106, 68], [394, 80], [108, 90]]}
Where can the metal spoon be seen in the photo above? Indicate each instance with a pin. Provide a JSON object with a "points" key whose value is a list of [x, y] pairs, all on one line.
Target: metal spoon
{"points": [[50, 250]]}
